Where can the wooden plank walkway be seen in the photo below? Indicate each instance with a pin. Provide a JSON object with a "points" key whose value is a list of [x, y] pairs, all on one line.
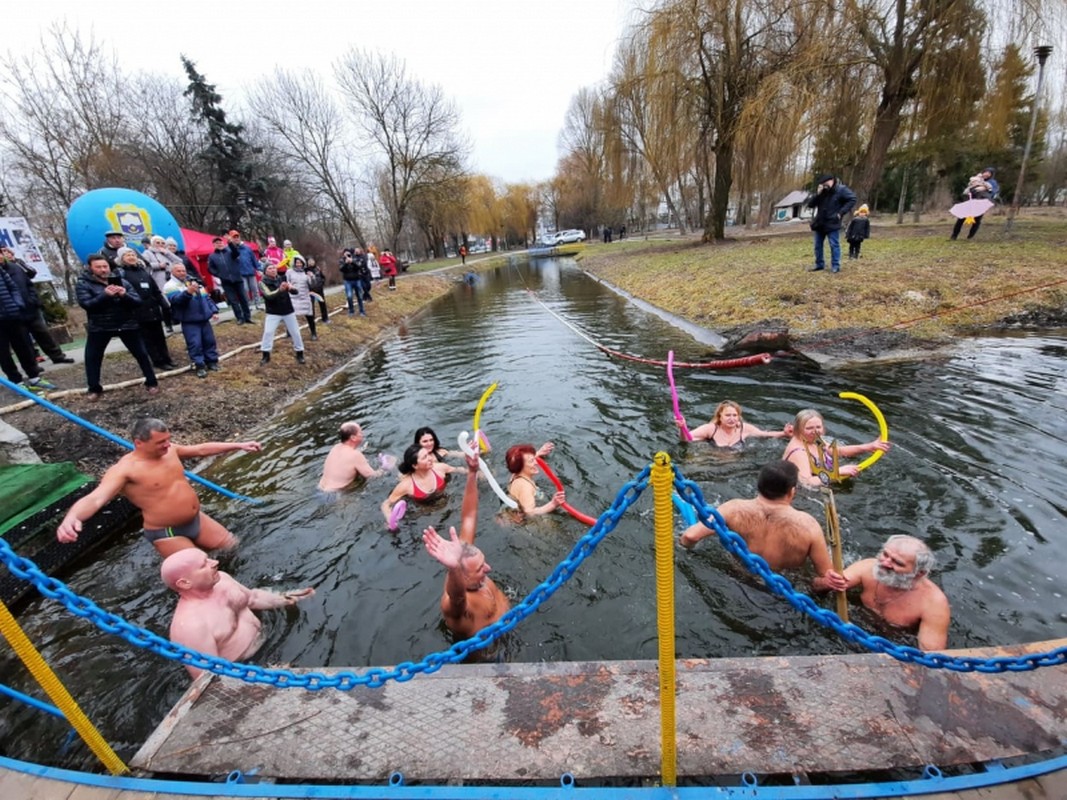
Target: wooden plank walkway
{"points": [[522, 722]]}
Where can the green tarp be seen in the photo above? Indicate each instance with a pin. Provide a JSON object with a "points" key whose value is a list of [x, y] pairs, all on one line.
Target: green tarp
{"points": [[27, 488]]}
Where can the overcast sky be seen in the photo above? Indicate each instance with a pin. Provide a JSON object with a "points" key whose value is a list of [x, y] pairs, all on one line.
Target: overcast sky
{"points": [[511, 66]]}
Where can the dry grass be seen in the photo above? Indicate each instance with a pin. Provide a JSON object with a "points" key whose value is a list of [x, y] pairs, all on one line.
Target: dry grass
{"points": [[910, 276]]}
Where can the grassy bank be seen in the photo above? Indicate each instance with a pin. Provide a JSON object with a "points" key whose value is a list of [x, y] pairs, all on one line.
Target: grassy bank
{"points": [[228, 404], [910, 276]]}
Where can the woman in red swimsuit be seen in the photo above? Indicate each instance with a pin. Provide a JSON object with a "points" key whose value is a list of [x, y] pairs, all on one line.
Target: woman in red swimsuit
{"points": [[423, 478]]}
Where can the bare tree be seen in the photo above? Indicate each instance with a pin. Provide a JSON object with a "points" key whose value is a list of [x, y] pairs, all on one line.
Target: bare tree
{"points": [[414, 128], [63, 131], [312, 135]]}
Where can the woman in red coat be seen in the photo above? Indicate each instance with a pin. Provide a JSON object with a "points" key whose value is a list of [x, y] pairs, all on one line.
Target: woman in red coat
{"points": [[387, 261]]}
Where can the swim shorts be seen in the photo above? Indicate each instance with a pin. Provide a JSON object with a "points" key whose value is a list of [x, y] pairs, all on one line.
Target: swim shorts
{"points": [[190, 530]]}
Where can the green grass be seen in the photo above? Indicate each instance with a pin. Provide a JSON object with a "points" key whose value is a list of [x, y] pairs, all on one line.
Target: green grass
{"points": [[910, 276]]}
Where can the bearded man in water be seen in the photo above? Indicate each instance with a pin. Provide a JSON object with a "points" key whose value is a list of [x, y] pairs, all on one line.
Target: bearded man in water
{"points": [[897, 588]]}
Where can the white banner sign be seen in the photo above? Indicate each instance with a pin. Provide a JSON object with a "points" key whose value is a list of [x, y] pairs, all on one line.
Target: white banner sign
{"points": [[15, 233]]}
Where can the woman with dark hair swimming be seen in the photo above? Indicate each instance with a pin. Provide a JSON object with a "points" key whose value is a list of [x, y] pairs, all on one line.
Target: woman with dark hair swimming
{"points": [[423, 478], [427, 440]]}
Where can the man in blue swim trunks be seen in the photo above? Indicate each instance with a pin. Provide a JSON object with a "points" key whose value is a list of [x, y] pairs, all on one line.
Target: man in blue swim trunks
{"points": [[153, 479]]}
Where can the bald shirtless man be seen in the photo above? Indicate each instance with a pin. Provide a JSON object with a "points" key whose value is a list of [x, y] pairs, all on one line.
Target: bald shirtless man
{"points": [[897, 588], [214, 613], [346, 461], [786, 537], [471, 601], [152, 478]]}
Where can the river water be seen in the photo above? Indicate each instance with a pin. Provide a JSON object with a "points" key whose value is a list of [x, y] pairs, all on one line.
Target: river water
{"points": [[976, 470]]}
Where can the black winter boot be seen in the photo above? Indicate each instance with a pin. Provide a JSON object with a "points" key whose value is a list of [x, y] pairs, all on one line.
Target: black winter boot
{"points": [[266, 358], [299, 356]]}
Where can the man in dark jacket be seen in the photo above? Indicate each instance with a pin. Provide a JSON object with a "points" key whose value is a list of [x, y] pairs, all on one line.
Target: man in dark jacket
{"points": [[109, 303], [13, 336], [225, 264], [23, 275], [832, 201], [351, 273], [113, 240]]}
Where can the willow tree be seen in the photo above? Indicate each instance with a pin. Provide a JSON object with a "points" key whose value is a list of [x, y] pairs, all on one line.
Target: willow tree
{"points": [[900, 38], [413, 127], [649, 91], [734, 46]]}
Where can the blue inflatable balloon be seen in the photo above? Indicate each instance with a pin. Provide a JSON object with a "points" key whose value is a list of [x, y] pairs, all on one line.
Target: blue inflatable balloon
{"points": [[135, 214]]}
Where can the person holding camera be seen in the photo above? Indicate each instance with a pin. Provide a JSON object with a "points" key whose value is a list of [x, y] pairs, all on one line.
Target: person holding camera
{"points": [[278, 302], [352, 272], [110, 303], [832, 200], [192, 306]]}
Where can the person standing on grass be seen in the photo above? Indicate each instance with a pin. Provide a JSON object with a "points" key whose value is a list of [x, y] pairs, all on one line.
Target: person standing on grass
{"points": [[832, 200], [278, 304], [13, 336], [23, 274], [317, 284], [150, 313], [388, 262], [109, 303], [193, 307], [858, 230]]}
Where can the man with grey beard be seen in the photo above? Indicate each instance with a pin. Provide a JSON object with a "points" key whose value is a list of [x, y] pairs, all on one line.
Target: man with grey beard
{"points": [[897, 588]]}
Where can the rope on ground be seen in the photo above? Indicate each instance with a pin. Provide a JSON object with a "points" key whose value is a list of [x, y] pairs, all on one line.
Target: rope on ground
{"points": [[781, 586], [346, 680]]}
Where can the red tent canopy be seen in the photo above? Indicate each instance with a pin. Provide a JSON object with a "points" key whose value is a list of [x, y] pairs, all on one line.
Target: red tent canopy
{"points": [[198, 246]]}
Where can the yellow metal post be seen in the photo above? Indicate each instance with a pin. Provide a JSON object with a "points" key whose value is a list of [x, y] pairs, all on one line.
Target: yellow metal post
{"points": [[59, 695], [662, 481]]}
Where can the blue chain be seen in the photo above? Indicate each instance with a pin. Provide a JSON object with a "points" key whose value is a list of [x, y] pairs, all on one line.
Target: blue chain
{"points": [[781, 586], [139, 637]]}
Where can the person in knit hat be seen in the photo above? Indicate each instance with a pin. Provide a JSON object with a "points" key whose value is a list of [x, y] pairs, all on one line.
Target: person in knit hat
{"points": [[858, 230]]}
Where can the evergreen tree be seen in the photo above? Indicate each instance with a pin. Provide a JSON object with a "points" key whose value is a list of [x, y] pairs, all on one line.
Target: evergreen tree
{"points": [[228, 153]]}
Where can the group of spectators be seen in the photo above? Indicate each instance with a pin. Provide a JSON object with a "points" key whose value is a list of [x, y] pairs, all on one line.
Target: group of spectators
{"points": [[138, 297]]}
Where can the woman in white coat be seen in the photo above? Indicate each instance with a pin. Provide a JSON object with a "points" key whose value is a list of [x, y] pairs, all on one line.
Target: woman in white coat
{"points": [[300, 280]]}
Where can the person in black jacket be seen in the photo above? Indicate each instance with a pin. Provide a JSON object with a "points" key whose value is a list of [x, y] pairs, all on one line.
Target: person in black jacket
{"points": [[351, 273], [23, 274], [225, 264], [109, 303], [13, 336], [832, 200], [151, 313], [278, 304], [858, 230]]}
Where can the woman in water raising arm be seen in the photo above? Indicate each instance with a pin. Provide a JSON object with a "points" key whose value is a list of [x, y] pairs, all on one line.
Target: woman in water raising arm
{"points": [[814, 457]]}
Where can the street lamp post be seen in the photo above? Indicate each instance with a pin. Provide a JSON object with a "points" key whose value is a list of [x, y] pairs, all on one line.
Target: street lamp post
{"points": [[1042, 52]]}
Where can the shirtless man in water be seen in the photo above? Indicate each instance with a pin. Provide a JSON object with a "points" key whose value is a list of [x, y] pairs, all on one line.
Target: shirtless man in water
{"points": [[346, 461], [786, 537], [471, 600], [152, 478], [214, 614], [897, 588]]}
